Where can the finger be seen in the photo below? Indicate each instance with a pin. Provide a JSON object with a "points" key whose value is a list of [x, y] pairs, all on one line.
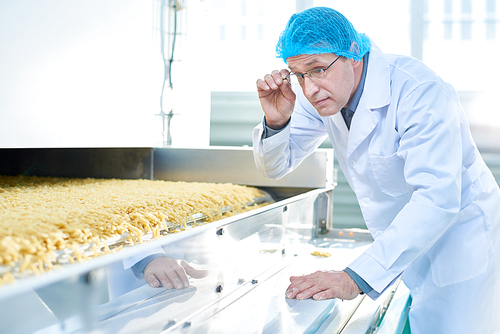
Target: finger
{"points": [[269, 79], [262, 85], [176, 281], [182, 277], [326, 294], [300, 285], [291, 293], [308, 293], [295, 287], [165, 280], [292, 290], [284, 73], [194, 273], [286, 88], [152, 280], [296, 280], [277, 77]]}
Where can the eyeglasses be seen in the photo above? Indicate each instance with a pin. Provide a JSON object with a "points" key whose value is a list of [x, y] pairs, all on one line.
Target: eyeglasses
{"points": [[317, 73]]}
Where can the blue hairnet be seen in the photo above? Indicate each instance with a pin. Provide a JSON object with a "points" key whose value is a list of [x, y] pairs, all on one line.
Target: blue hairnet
{"points": [[321, 30]]}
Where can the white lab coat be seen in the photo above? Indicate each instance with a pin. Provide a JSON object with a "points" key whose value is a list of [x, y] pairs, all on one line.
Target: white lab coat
{"points": [[426, 195]]}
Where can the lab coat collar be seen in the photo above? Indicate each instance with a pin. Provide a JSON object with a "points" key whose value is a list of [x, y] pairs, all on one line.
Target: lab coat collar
{"points": [[377, 91], [339, 122], [376, 94]]}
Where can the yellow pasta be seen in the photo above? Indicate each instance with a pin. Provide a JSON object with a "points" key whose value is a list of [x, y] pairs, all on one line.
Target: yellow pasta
{"points": [[321, 253], [43, 215], [7, 278]]}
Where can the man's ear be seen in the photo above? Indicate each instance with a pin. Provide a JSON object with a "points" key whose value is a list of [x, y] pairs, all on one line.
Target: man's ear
{"points": [[355, 63], [355, 49]]}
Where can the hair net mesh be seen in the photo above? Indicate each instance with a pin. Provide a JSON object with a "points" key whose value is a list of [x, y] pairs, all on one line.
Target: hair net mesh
{"points": [[321, 30]]}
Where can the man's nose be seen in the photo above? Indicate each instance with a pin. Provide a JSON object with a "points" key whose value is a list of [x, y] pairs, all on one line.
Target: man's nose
{"points": [[309, 86]]}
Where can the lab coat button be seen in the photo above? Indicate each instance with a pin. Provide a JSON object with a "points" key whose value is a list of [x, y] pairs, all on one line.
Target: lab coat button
{"points": [[366, 200], [353, 163]]}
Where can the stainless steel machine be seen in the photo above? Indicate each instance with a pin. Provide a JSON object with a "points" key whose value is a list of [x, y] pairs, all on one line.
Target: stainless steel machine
{"points": [[248, 257]]}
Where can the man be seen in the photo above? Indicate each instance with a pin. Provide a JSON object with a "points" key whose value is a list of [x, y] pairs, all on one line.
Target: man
{"points": [[403, 143]]}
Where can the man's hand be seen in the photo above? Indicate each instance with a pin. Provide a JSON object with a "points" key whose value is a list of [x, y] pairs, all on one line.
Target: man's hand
{"points": [[323, 285], [276, 98], [170, 273]]}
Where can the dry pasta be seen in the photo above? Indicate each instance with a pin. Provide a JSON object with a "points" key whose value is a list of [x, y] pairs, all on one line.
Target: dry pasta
{"points": [[40, 215], [321, 253]]}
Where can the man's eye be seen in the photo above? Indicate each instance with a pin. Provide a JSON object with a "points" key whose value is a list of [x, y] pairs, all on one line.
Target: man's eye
{"points": [[315, 73]]}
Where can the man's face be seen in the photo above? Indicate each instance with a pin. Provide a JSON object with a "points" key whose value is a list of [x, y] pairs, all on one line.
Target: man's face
{"points": [[331, 93]]}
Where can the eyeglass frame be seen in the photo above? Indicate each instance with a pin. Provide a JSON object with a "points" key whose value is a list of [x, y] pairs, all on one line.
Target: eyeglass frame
{"points": [[301, 76]]}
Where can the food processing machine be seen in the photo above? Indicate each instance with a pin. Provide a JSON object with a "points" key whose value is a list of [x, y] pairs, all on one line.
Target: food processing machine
{"points": [[248, 258]]}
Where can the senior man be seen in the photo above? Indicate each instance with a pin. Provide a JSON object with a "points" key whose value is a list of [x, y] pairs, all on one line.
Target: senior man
{"points": [[403, 142]]}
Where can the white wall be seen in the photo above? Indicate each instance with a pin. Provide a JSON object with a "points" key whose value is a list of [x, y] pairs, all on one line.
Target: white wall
{"points": [[82, 73], [89, 73]]}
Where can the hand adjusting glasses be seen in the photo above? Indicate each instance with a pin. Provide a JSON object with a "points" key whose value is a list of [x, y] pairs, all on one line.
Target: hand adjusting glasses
{"points": [[316, 73]]}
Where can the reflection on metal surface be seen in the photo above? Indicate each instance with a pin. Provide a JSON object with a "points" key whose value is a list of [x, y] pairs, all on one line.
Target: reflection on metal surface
{"points": [[397, 312], [236, 165]]}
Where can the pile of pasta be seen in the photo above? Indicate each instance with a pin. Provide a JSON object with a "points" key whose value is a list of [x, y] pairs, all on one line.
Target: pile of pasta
{"points": [[40, 216]]}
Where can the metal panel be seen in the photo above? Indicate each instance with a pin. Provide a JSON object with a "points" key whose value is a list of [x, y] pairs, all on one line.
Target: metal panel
{"points": [[123, 163], [397, 313], [387, 314], [236, 165]]}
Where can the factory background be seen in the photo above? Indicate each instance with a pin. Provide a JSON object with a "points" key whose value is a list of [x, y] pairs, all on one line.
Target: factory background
{"points": [[90, 74]]}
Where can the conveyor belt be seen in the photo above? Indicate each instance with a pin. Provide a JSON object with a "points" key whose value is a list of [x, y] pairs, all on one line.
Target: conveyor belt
{"points": [[64, 256]]}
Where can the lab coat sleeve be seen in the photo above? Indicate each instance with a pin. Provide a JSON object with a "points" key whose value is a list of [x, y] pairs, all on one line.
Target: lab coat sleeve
{"points": [[131, 261], [430, 145], [278, 155]]}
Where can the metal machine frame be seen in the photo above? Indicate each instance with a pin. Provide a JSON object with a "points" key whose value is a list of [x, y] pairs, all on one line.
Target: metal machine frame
{"points": [[250, 256]]}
